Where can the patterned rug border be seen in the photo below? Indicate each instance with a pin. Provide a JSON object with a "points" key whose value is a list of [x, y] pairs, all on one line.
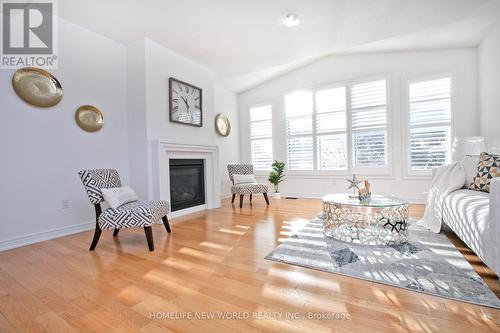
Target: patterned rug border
{"points": [[318, 217]]}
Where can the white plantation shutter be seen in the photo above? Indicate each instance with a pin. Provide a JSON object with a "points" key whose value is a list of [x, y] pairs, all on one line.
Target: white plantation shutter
{"points": [[369, 124], [331, 129], [261, 137], [429, 123], [299, 120]]}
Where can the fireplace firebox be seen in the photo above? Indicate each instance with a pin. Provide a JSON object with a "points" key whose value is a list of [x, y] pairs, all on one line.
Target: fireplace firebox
{"points": [[187, 183]]}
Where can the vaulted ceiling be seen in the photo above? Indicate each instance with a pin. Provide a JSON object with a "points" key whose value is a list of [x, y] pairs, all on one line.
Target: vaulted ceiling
{"points": [[245, 43]]}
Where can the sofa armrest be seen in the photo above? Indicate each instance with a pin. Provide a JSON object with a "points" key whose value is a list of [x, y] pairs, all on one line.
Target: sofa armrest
{"points": [[494, 225]]}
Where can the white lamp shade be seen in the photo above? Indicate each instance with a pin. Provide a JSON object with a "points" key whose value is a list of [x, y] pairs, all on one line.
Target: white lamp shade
{"points": [[468, 146]]}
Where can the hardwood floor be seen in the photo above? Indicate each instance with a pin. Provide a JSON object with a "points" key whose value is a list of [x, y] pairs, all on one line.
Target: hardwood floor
{"points": [[212, 261]]}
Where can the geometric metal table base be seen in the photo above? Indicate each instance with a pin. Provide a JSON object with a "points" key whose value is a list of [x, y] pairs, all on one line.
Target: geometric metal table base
{"points": [[382, 221]]}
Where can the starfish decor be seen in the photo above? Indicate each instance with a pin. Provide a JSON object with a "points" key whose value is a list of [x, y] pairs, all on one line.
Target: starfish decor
{"points": [[353, 182]]}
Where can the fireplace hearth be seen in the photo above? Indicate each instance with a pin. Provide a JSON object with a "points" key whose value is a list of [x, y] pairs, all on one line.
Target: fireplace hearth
{"points": [[187, 183]]}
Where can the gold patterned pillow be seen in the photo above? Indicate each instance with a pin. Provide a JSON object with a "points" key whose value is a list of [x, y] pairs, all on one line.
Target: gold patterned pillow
{"points": [[488, 167]]}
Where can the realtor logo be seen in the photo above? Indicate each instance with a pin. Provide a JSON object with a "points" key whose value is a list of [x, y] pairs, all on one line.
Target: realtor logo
{"points": [[28, 34]]}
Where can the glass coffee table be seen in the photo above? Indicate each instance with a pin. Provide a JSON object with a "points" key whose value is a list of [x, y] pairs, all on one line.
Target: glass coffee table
{"points": [[381, 221]]}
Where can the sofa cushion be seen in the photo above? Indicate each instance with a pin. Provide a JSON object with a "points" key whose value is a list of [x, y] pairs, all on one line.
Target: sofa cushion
{"points": [[244, 179], [467, 212], [470, 165], [488, 168], [117, 196]]}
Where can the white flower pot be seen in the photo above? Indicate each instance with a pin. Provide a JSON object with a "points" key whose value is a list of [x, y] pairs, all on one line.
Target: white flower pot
{"points": [[276, 195]]}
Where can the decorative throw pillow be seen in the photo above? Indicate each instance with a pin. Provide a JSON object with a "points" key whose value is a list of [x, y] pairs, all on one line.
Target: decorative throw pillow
{"points": [[244, 179], [488, 168], [117, 196]]}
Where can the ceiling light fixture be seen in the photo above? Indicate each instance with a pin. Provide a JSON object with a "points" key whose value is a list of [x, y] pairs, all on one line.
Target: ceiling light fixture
{"points": [[291, 20]]}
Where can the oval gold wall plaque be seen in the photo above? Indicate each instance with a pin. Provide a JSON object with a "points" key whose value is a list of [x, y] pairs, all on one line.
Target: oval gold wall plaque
{"points": [[37, 87], [222, 124], [89, 118]]}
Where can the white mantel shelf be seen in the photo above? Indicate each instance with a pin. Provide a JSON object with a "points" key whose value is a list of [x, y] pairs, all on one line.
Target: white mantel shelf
{"points": [[162, 152]]}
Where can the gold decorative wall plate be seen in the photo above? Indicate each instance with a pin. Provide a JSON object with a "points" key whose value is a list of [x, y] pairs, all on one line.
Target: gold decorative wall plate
{"points": [[89, 118], [222, 124], [37, 87]]}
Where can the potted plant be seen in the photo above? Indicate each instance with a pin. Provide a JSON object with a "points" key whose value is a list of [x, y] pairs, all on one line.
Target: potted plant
{"points": [[276, 177]]}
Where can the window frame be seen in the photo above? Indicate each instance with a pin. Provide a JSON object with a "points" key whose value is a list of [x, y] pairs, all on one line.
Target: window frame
{"points": [[250, 107], [373, 171], [384, 172], [314, 134], [408, 172]]}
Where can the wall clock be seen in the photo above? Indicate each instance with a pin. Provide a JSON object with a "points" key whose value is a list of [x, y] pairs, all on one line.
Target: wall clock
{"points": [[222, 124], [185, 103]]}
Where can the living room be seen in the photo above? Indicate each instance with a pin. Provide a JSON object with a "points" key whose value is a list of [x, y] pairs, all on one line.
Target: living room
{"points": [[250, 166]]}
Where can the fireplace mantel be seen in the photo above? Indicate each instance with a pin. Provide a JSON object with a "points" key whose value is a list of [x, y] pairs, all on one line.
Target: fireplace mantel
{"points": [[162, 152]]}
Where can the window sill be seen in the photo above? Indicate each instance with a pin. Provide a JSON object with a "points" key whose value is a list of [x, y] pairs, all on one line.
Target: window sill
{"points": [[412, 176], [325, 175]]}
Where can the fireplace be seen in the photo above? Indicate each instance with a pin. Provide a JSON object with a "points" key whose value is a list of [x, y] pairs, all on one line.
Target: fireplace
{"points": [[187, 183], [163, 152]]}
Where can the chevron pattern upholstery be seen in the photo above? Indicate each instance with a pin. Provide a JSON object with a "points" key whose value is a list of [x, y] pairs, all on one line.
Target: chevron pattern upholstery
{"points": [[239, 169], [130, 215], [133, 214], [487, 169], [253, 188], [95, 179], [244, 169]]}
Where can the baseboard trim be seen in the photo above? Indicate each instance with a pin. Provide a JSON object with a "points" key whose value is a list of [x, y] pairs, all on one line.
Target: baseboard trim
{"points": [[37, 237], [186, 211]]}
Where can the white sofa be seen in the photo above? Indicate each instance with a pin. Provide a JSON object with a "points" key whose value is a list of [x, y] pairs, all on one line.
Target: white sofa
{"points": [[475, 217]]}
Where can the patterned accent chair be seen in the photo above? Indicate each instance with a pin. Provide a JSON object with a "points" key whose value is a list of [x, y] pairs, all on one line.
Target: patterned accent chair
{"points": [[130, 215], [242, 189]]}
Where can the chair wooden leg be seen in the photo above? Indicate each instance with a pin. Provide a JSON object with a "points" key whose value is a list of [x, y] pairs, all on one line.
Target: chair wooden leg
{"points": [[250, 198], [232, 199], [149, 236], [166, 224], [115, 232], [241, 200], [98, 230], [267, 199], [97, 234]]}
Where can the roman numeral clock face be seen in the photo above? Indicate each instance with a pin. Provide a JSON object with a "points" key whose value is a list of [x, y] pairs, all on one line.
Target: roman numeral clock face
{"points": [[185, 103]]}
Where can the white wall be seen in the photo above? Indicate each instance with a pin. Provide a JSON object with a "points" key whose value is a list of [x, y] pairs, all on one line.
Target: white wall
{"points": [[137, 117], [43, 149], [229, 153], [161, 64], [489, 85], [398, 68]]}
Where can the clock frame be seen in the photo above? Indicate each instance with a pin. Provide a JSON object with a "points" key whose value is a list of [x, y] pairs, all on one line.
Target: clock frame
{"points": [[172, 83]]}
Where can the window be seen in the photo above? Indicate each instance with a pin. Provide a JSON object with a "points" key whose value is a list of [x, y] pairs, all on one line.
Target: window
{"points": [[331, 129], [429, 124], [299, 121], [318, 127], [261, 137], [369, 124]]}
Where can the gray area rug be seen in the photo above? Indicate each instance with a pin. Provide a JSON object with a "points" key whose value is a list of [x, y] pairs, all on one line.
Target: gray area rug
{"points": [[427, 263]]}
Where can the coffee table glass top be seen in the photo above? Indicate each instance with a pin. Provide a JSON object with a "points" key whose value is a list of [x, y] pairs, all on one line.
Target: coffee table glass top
{"points": [[377, 201]]}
